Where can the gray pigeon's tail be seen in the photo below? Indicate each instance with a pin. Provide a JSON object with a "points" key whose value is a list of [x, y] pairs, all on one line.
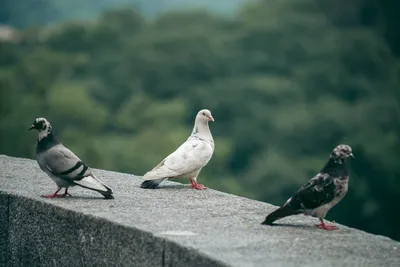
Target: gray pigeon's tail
{"points": [[151, 184], [92, 183], [279, 214], [108, 194]]}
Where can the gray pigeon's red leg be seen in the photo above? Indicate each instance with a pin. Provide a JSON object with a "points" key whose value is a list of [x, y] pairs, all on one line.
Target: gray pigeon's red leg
{"points": [[65, 193], [195, 185], [322, 225], [54, 195]]}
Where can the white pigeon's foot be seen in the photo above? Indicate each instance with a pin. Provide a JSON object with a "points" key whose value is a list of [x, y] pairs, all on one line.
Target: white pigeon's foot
{"points": [[198, 187], [195, 185]]}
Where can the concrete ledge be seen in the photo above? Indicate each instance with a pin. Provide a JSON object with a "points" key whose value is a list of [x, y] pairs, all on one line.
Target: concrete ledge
{"points": [[170, 226]]}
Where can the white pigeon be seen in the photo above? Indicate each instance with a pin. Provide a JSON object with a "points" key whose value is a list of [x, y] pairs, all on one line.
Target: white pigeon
{"points": [[62, 165], [188, 159]]}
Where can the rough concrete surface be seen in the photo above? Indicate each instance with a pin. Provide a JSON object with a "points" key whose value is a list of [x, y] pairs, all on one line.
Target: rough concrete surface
{"points": [[170, 226]]}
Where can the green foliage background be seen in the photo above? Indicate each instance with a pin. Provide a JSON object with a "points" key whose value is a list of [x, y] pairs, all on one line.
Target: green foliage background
{"points": [[286, 82]]}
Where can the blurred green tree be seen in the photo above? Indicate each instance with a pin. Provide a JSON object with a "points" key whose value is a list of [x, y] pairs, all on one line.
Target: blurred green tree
{"points": [[285, 82]]}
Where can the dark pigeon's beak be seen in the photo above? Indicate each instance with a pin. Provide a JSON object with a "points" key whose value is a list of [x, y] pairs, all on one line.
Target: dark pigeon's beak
{"points": [[32, 127], [211, 118], [351, 155]]}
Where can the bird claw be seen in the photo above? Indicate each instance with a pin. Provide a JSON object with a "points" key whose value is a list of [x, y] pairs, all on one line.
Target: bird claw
{"points": [[57, 195], [53, 196], [195, 185], [327, 227], [198, 186]]}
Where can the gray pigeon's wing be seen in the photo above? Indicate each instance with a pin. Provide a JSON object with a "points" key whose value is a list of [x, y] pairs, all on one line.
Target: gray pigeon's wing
{"points": [[63, 163], [190, 156]]}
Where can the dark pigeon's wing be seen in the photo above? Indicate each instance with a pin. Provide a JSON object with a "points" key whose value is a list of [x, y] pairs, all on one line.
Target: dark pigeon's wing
{"points": [[318, 191]]}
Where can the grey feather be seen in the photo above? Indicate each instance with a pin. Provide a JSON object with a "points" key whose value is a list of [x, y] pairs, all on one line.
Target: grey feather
{"points": [[62, 165]]}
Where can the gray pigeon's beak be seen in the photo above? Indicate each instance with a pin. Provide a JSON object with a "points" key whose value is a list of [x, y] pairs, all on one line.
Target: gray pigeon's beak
{"points": [[32, 127], [211, 118], [351, 155]]}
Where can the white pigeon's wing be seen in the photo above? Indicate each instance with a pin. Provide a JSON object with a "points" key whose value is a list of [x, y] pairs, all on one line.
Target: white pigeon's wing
{"points": [[190, 156], [63, 163]]}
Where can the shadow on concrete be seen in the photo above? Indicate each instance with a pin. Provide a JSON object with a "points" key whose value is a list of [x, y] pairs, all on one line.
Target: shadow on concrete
{"points": [[303, 226]]}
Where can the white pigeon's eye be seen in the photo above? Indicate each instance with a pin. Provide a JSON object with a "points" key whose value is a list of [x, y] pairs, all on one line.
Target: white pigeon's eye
{"points": [[204, 113]]}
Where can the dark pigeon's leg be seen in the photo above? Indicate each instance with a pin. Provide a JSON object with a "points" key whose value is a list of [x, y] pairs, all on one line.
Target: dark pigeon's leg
{"points": [[322, 225]]}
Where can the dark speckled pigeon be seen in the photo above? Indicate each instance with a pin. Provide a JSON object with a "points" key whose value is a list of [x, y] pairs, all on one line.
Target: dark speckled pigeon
{"points": [[62, 165], [321, 193]]}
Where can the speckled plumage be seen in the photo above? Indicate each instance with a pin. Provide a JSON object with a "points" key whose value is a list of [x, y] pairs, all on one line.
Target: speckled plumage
{"points": [[322, 192]]}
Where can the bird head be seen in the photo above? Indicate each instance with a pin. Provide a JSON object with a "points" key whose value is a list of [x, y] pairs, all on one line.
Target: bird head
{"points": [[204, 115], [342, 152], [41, 124]]}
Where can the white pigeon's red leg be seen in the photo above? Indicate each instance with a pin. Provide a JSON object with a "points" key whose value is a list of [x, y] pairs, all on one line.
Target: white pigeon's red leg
{"points": [[322, 225], [65, 193], [54, 195], [195, 185]]}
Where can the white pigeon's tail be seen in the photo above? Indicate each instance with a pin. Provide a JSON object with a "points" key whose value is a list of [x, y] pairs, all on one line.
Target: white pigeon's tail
{"points": [[151, 184], [91, 182]]}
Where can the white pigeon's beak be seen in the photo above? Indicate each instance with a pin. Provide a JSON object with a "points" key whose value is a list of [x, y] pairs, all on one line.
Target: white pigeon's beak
{"points": [[351, 155], [211, 118]]}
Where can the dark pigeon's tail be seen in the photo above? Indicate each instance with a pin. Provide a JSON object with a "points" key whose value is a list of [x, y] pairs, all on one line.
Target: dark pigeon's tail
{"points": [[279, 214], [151, 184]]}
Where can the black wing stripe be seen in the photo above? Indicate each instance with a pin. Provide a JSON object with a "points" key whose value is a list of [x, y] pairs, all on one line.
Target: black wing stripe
{"points": [[77, 165], [80, 175]]}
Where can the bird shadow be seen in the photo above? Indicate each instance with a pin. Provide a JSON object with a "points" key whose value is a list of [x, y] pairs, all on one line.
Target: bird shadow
{"points": [[76, 197], [303, 226], [170, 186]]}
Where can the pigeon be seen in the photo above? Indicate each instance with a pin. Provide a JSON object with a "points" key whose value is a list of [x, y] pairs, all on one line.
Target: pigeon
{"points": [[188, 159], [321, 193], [62, 165]]}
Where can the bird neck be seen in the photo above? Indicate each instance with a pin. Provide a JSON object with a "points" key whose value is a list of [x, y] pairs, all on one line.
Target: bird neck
{"points": [[201, 130], [335, 167], [46, 141]]}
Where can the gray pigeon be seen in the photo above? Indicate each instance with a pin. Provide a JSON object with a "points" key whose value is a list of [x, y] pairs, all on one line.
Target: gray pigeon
{"points": [[62, 165], [321, 193], [188, 159]]}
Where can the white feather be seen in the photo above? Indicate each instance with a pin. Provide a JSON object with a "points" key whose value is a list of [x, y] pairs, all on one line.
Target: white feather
{"points": [[188, 159], [91, 182]]}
